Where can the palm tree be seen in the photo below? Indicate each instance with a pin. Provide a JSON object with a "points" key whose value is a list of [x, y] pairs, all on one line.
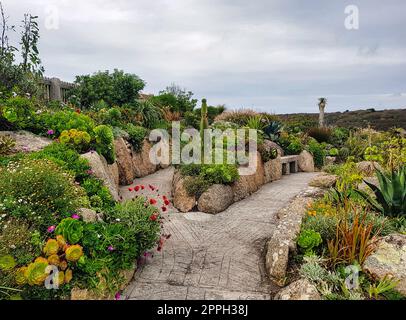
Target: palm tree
{"points": [[322, 106]]}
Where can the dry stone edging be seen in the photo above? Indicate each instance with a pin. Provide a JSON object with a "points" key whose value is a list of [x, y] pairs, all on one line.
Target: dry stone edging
{"points": [[283, 240], [301, 289]]}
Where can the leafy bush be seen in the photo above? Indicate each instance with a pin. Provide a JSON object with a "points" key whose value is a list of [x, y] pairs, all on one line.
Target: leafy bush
{"points": [[145, 113], [309, 240], [6, 145], [67, 120], [136, 136], [177, 99], [318, 153], [99, 194], [19, 113], [66, 158], [320, 134], [220, 173], [105, 142], [39, 192], [243, 116], [391, 193], [116, 88], [196, 186], [339, 136]]}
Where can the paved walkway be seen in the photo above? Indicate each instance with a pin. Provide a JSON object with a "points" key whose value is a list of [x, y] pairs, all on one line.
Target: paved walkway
{"points": [[214, 256]]}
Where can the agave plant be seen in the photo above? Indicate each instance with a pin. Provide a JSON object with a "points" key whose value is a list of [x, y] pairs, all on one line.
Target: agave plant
{"points": [[391, 193], [273, 130]]}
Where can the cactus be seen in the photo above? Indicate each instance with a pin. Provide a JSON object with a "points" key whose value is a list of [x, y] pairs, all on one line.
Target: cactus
{"points": [[73, 253], [204, 124], [68, 275], [51, 247], [7, 263], [35, 272], [19, 277]]}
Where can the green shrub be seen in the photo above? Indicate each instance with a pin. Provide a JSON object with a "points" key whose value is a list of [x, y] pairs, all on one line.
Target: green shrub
{"points": [[105, 142], [95, 188], [320, 134], [325, 225], [267, 154], [333, 152], [192, 169], [66, 158], [145, 113], [136, 136], [67, 120], [339, 136], [196, 186], [319, 155], [309, 240], [39, 192], [71, 230], [220, 173], [19, 113]]}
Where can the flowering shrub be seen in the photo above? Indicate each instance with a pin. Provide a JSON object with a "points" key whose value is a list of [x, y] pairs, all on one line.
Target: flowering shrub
{"points": [[65, 120], [39, 192]]}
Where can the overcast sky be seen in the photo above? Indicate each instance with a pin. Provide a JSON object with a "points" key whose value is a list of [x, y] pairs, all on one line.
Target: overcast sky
{"points": [[272, 55]]}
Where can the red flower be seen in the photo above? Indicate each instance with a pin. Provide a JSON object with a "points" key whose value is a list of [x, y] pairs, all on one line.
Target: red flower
{"points": [[167, 202], [152, 201], [78, 111], [142, 187], [137, 188], [130, 189], [164, 209], [153, 217]]}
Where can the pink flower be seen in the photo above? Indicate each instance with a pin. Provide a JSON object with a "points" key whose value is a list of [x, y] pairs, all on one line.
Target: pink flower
{"points": [[118, 296], [50, 132], [75, 216], [51, 229], [110, 248], [89, 172]]}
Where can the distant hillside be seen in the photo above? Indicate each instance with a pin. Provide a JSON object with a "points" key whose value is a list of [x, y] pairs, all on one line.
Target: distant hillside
{"points": [[379, 120]]}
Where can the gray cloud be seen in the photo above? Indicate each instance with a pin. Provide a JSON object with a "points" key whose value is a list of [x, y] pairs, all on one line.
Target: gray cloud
{"points": [[275, 55]]}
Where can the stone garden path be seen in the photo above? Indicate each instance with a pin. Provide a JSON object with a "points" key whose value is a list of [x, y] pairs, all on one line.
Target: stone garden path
{"points": [[214, 256]]}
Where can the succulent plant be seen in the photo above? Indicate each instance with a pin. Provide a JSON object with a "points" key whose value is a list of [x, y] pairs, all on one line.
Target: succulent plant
{"points": [[74, 253], [41, 259], [54, 260], [60, 278], [68, 276], [51, 247], [35, 272], [63, 265], [7, 263], [61, 241], [20, 278], [71, 230]]}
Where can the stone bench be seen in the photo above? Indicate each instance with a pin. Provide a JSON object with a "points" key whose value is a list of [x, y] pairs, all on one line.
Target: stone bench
{"points": [[290, 164]]}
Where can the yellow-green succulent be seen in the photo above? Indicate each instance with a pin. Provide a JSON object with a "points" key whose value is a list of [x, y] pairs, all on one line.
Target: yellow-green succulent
{"points": [[36, 272], [51, 247], [20, 278], [7, 263], [73, 253]]}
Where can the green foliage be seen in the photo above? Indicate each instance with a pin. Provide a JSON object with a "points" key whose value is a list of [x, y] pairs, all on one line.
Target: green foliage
{"points": [[136, 136], [66, 120], [220, 173], [391, 193], [309, 240], [317, 150], [325, 225], [6, 145], [196, 185], [385, 285], [7, 263], [255, 122], [99, 194], [19, 113], [179, 100], [273, 130], [79, 140], [320, 134], [39, 192], [105, 142], [66, 158], [116, 88], [333, 152], [243, 116], [339, 136], [267, 154], [145, 113], [71, 229]]}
